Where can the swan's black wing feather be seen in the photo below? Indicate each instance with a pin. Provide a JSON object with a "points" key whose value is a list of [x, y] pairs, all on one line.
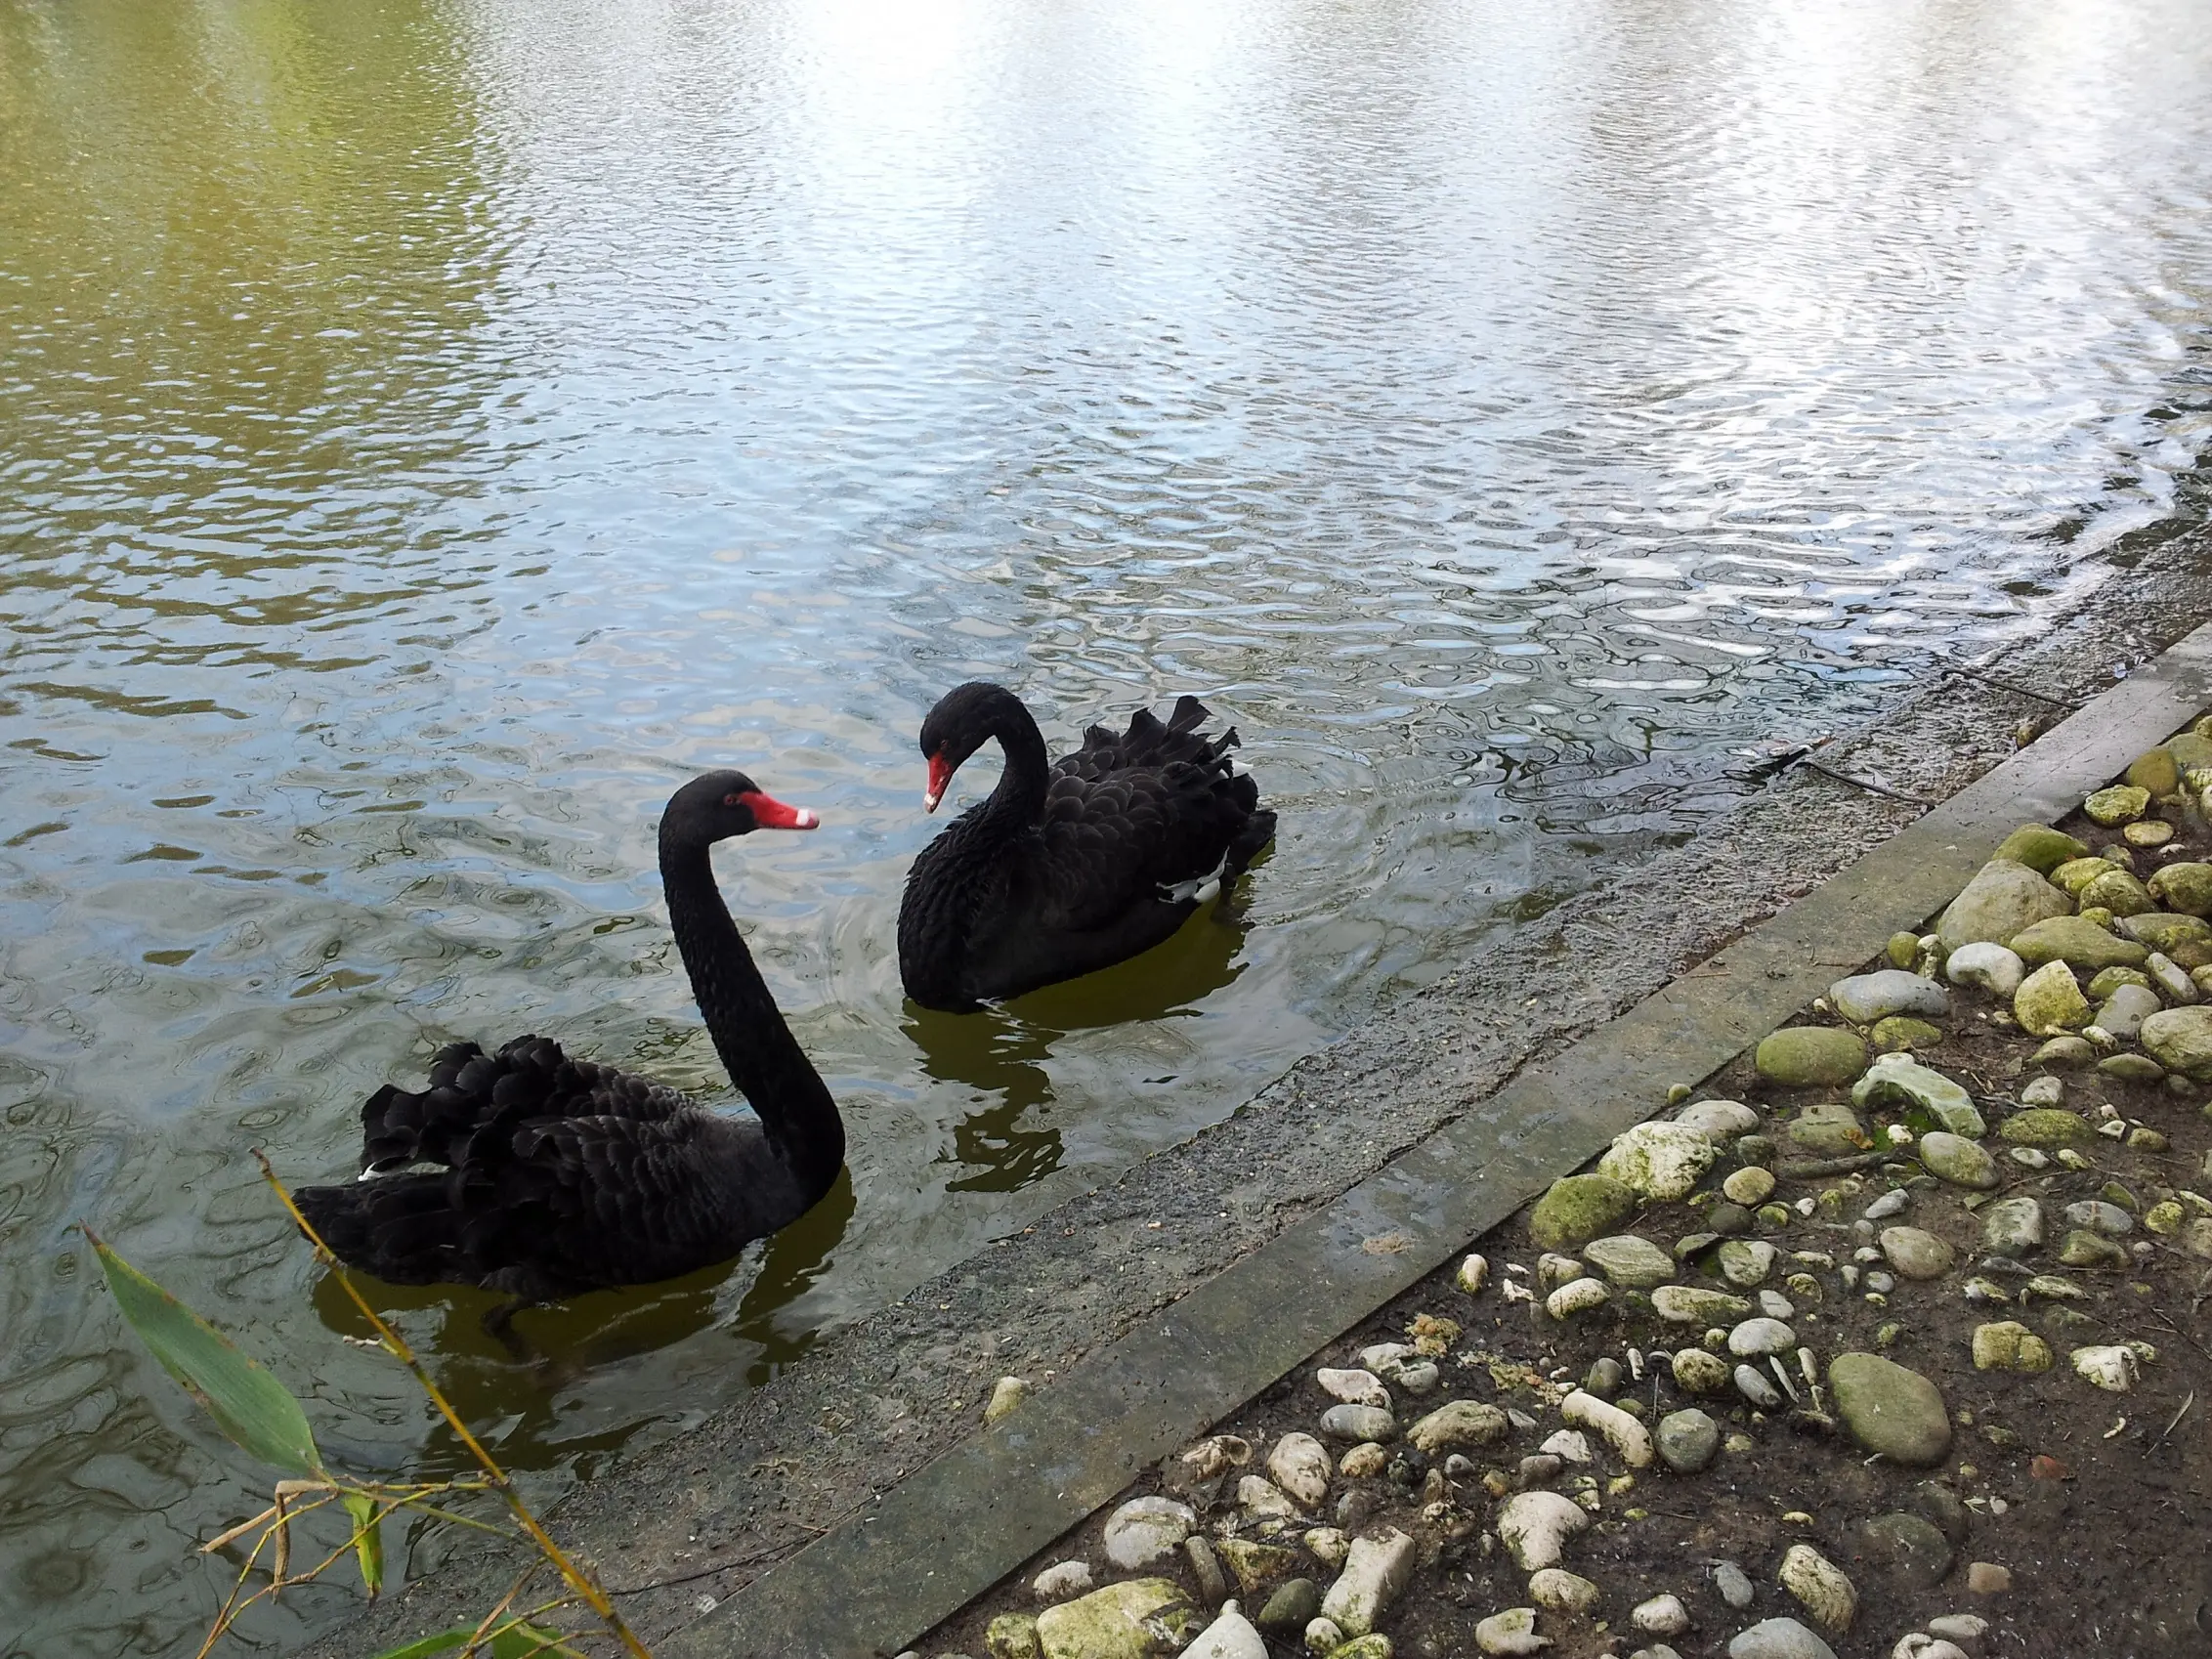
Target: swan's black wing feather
{"points": [[1130, 818], [547, 1206], [467, 1087]]}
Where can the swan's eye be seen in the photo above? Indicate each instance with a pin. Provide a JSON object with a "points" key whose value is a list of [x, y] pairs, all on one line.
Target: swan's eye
{"points": [[730, 801]]}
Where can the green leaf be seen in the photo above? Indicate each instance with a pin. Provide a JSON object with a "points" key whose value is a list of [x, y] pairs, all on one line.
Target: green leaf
{"points": [[517, 1641], [247, 1403], [368, 1540]]}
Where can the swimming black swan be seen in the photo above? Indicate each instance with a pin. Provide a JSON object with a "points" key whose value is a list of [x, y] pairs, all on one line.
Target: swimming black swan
{"points": [[562, 1175], [1071, 867]]}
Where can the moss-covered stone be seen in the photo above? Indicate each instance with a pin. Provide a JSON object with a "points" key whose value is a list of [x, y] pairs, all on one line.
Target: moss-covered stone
{"points": [[2120, 892], [2076, 873], [2185, 887], [1903, 950], [2180, 1040], [2077, 942], [2041, 848], [2155, 771], [1141, 1619], [1011, 1636], [2049, 1001], [1929, 1099], [2046, 1127], [2002, 899], [1901, 1032], [2109, 980], [2186, 939], [1578, 1208], [1810, 1057], [2122, 804]]}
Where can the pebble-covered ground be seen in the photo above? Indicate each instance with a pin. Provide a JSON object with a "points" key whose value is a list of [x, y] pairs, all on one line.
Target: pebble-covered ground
{"points": [[1888, 1340]]}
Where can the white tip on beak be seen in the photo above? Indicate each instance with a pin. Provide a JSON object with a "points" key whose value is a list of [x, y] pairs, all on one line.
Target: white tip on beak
{"points": [[808, 819], [929, 800]]}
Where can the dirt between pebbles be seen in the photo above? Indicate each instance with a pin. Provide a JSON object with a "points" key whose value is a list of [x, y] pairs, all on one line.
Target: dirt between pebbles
{"points": [[2072, 1517]]}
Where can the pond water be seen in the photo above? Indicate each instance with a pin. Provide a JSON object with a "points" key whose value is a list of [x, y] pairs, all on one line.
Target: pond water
{"points": [[431, 428]]}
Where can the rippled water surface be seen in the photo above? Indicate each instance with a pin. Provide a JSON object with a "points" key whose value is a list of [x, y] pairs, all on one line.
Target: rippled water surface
{"points": [[430, 431]]}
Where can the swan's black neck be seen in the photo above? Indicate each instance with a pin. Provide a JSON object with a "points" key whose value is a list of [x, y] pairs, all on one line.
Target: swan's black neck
{"points": [[1019, 800], [758, 1051]]}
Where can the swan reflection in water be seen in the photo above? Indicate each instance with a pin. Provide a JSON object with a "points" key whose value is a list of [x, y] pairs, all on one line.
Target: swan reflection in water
{"points": [[1002, 1050], [487, 1384]]}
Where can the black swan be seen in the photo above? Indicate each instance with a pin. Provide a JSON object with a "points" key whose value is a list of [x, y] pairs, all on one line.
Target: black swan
{"points": [[1071, 866], [562, 1175]]}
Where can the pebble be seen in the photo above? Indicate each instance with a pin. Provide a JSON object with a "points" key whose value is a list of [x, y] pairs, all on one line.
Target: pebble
{"points": [[1750, 1186], [1659, 1160], [1693, 1304], [1623, 1432], [1957, 1159], [1458, 1425], [1511, 1634], [2049, 1001], [1229, 1636], [1062, 1582], [2123, 1012], [1363, 1462], [1934, 1100], [1753, 1385], [1358, 1423], [1965, 1629], [1628, 1261], [1812, 1056], [1887, 1204], [1535, 1527], [1119, 1619], [1697, 1372], [1745, 1262], [1907, 1548], [2009, 1345], [1580, 1295], [1734, 1584], [1881, 1284], [1779, 1638], [1146, 1530], [1353, 1387], [1986, 1578], [1718, 1120], [1576, 1208], [1561, 1592], [1821, 1587], [1775, 1305], [1206, 1567], [1263, 1499], [2081, 1247], [1917, 1253], [2111, 1367], [1323, 1637], [1865, 997], [1991, 967], [1755, 1339], [2099, 1216], [1688, 1440], [1374, 1572], [1300, 1466], [1890, 1409], [1662, 1615], [2001, 900], [1474, 1274]]}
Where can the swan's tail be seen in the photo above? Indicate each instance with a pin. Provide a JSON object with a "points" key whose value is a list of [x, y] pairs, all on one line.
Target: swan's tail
{"points": [[466, 1088]]}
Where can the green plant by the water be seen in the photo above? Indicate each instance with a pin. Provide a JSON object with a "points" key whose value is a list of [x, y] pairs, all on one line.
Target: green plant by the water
{"points": [[264, 1419]]}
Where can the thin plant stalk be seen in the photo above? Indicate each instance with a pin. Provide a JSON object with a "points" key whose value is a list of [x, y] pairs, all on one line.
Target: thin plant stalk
{"points": [[578, 1580]]}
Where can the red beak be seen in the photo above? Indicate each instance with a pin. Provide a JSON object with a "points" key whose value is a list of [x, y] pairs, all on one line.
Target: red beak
{"points": [[771, 814], [940, 775]]}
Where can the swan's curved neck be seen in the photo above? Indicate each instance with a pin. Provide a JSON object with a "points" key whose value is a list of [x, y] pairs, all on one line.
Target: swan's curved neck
{"points": [[757, 1048], [1019, 798]]}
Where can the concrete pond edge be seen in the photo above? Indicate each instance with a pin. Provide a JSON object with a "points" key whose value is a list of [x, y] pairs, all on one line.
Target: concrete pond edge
{"points": [[960, 1524]]}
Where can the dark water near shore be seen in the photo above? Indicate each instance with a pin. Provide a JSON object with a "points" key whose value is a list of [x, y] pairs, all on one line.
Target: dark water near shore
{"points": [[429, 431]]}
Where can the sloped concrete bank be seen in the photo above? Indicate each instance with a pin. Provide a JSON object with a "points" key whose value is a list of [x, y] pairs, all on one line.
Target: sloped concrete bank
{"points": [[759, 1509]]}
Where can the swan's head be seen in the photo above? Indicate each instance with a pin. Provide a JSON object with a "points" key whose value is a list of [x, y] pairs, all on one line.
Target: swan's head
{"points": [[723, 804], [964, 719]]}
